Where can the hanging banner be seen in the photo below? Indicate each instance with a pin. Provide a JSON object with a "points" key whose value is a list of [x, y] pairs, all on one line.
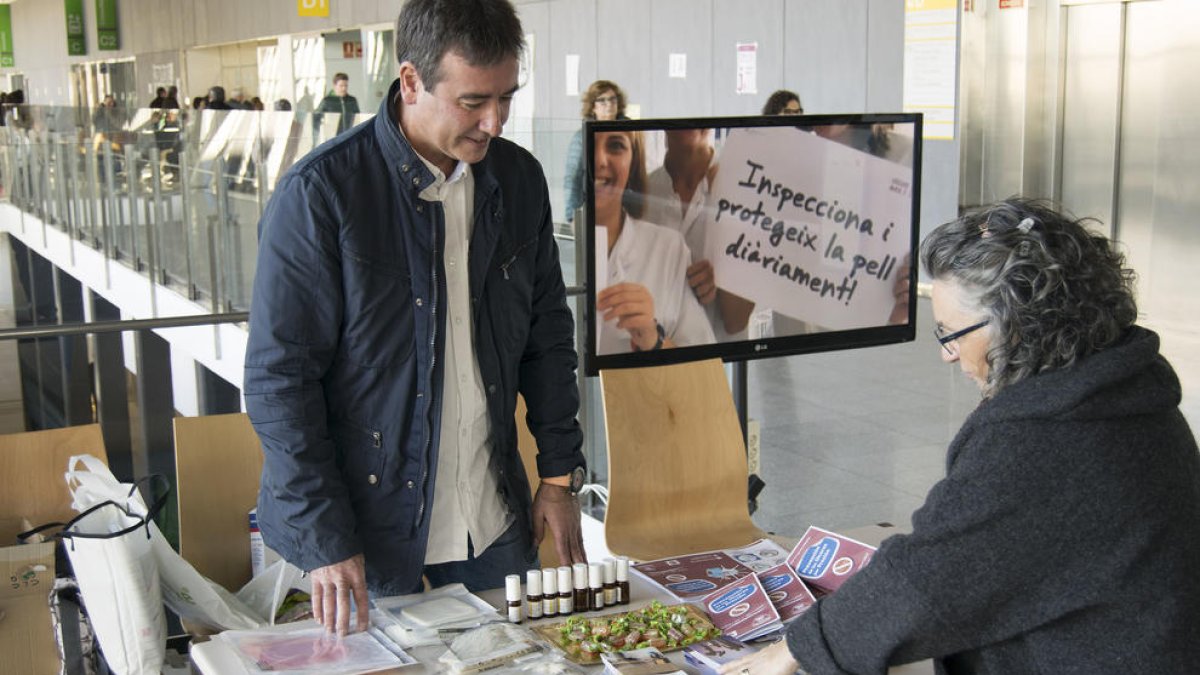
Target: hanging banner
{"points": [[312, 7], [6, 37], [76, 42], [107, 35]]}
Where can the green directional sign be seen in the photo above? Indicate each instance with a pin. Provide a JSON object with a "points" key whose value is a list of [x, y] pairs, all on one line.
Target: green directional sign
{"points": [[76, 43], [107, 35], [6, 37]]}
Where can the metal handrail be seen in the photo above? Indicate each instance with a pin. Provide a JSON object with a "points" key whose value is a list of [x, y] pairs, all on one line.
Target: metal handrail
{"points": [[60, 330]]}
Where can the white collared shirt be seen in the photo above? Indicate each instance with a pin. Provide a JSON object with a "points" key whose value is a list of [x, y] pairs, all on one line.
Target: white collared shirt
{"points": [[665, 208], [657, 258], [466, 499]]}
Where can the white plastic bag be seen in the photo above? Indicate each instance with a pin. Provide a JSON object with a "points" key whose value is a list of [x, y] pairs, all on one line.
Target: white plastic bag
{"points": [[188, 593], [264, 593], [110, 551]]}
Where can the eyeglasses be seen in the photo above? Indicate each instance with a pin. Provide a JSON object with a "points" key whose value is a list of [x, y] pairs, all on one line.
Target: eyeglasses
{"points": [[944, 339], [606, 100]]}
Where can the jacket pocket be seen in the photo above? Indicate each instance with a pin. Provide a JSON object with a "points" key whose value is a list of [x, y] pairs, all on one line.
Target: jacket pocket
{"points": [[509, 260], [361, 457], [377, 322]]}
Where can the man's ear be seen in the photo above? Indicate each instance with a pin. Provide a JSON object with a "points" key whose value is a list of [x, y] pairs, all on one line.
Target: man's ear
{"points": [[410, 83]]}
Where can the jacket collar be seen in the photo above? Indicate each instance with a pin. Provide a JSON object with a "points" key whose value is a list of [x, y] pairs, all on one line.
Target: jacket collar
{"points": [[404, 160]]}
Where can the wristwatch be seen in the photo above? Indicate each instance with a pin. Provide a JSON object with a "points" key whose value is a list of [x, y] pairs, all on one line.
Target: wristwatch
{"points": [[578, 475], [662, 335]]}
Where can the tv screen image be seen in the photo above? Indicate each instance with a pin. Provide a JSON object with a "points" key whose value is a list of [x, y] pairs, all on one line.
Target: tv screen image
{"points": [[749, 237]]}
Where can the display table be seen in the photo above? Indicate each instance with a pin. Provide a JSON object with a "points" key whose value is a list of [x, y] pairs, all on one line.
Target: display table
{"points": [[216, 658]]}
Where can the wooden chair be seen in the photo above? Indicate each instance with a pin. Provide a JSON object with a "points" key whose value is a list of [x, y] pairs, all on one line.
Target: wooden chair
{"points": [[218, 463], [34, 491], [676, 462]]}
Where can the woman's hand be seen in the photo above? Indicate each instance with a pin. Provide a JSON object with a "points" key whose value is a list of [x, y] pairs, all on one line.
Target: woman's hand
{"points": [[900, 292], [633, 308], [774, 660]]}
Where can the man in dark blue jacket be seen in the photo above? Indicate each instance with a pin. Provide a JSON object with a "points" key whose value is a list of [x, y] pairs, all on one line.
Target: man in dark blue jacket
{"points": [[408, 287]]}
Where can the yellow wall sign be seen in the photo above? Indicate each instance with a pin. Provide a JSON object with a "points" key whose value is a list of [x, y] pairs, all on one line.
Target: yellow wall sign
{"points": [[313, 7]]}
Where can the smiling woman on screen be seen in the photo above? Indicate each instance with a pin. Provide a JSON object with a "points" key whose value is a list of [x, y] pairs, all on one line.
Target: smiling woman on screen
{"points": [[646, 302]]}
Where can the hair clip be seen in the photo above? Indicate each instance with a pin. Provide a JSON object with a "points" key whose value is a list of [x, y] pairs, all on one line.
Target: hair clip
{"points": [[1025, 225]]}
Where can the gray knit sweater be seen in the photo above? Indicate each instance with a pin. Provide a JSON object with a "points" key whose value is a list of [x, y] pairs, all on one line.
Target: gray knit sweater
{"points": [[1065, 538]]}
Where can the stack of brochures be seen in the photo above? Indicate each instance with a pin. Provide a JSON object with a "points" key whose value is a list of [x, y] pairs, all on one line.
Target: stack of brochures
{"points": [[710, 655], [647, 661], [754, 590]]}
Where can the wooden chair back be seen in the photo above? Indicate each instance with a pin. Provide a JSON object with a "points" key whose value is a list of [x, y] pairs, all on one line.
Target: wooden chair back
{"points": [[33, 490], [676, 462], [218, 462]]}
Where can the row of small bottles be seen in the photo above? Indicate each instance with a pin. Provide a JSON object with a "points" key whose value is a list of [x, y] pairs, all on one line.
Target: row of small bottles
{"points": [[566, 590]]}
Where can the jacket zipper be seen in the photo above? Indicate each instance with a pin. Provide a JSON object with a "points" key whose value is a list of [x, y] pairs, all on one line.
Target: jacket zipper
{"points": [[433, 294]]}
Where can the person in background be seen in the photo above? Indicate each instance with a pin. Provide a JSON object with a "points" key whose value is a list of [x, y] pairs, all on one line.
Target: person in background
{"points": [[1063, 537], [238, 100], [408, 287], [603, 100], [783, 102], [106, 120], [339, 101], [646, 302], [216, 99], [676, 198], [172, 99], [199, 102], [160, 97], [282, 105], [256, 103]]}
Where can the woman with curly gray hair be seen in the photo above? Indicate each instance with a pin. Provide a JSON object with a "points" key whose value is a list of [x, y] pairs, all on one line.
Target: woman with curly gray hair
{"points": [[1063, 536]]}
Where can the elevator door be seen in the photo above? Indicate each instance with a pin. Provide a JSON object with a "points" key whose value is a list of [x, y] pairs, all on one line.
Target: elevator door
{"points": [[1128, 152], [1090, 110]]}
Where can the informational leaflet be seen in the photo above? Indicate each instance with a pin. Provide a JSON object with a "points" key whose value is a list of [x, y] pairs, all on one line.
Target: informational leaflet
{"points": [[761, 555], [710, 655], [691, 577], [742, 609], [825, 560], [790, 595]]}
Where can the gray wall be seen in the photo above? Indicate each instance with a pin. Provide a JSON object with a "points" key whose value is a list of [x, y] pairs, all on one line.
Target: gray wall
{"points": [[839, 55]]}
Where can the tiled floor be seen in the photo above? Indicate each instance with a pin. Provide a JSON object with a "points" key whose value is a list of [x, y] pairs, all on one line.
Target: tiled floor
{"points": [[859, 437]]}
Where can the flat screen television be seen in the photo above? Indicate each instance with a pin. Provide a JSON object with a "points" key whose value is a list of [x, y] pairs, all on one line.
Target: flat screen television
{"points": [[749, 237]]}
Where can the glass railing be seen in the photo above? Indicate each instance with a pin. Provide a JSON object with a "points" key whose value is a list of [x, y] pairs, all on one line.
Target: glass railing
{"points": [[177, 194]]}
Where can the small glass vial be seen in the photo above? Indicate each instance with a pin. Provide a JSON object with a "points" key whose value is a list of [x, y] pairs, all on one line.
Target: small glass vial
{"points": [[566, 594], [533, 594], [549, 592], [622, 580], [610, 582], [582, 599], [512, 594], [596, 586]]}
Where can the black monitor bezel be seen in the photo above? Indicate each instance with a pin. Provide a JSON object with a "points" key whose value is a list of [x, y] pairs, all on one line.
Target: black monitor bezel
{"points": [[745, 350]]}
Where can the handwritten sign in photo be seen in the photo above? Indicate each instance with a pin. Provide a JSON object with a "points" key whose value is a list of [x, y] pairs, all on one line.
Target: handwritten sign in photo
{"points": [[809, 227]]}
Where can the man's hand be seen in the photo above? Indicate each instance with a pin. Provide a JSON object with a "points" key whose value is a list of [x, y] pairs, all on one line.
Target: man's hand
{"points": [[555, 507], [700, 278], [332, 588]]}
